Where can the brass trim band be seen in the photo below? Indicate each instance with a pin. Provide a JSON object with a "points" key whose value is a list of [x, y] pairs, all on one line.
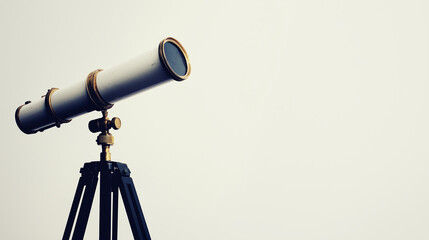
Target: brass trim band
{"points": [[48, 104], [94, 95], [163, 58]]}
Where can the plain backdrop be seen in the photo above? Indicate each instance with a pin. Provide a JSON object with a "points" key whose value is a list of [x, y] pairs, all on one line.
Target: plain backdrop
{"points": [[302, 119]]}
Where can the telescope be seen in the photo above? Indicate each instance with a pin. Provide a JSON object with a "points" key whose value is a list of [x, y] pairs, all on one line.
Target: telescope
{"points": [[102, 88]]}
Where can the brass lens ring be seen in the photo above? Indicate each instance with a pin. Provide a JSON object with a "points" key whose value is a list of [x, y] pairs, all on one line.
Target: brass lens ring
{"points": [[163, 57]]}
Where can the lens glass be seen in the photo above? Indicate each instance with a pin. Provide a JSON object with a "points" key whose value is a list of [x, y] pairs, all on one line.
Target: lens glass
{"points": [[175, 58]]}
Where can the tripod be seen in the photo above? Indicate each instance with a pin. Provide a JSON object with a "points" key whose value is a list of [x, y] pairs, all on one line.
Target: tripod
{"points": [[113, 176]]}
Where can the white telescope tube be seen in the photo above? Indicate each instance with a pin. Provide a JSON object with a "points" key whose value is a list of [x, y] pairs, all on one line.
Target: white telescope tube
{"points": [[105, 87]]}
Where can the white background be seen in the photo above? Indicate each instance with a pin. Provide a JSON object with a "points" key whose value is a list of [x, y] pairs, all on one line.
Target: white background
{"points": [[300, 120]]}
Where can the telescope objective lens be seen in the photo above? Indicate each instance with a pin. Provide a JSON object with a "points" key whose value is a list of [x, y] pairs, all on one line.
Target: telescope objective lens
{"points": [[175, 59]]}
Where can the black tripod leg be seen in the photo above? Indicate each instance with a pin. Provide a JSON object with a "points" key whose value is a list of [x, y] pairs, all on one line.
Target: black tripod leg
{"points": [[106, 180], [132, 204], [88, 180], [115, 212], [85, 208], [75, 205]]}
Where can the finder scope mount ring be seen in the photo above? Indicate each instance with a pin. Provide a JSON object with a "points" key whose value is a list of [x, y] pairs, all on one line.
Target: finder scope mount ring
{"points": [[48, 104]]}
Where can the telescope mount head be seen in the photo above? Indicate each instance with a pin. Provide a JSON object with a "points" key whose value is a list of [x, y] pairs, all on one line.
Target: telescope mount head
{"points": [[105, 139]]}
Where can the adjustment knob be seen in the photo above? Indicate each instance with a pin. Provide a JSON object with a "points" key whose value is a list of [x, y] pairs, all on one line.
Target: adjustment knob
{"points": [[115, 123]]}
